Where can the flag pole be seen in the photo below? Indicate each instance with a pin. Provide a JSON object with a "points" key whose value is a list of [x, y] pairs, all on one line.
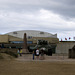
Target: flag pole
{"points": [[69, 42]]}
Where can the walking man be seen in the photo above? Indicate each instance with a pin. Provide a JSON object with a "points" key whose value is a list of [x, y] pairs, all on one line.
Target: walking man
{"points": [[37, 53]]}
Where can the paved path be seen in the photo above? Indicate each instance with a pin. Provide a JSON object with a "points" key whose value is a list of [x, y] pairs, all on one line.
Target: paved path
{"points": [[28, 57]]}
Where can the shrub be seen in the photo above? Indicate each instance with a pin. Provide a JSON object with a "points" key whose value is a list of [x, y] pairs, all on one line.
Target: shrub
{"points": [[1, 56], [11, 53]]}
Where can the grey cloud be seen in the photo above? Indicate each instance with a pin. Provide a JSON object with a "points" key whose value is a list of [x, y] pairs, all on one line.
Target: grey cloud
{"points": [[65, 8], [10, 21]]}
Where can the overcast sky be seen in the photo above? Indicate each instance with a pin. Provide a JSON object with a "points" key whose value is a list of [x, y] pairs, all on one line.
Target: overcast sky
{"points": [[53, 16]]}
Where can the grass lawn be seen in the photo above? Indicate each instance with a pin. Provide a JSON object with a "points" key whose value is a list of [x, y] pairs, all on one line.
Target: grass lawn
{"points": [[13, 67]]}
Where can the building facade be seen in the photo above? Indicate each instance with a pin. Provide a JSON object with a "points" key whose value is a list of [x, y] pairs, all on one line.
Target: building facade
{"points": [[32, 36], [16, 39]]}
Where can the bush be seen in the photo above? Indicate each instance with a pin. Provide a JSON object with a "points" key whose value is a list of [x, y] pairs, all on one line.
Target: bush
{"points": [[11, 53], [1, 56]]}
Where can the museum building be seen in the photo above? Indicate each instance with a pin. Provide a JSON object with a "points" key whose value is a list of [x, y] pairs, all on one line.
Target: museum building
{"points": [[17, 37]]}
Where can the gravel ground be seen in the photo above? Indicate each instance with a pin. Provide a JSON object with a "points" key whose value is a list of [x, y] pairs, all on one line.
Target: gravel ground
{"points": [[25, 65], [54, 57]]}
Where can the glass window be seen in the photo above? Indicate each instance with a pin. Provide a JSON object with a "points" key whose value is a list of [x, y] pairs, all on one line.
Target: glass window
{"points": [[29, 42], [29, 37]]}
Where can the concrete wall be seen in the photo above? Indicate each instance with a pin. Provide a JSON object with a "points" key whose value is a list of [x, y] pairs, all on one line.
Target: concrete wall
{"points": [[8, 38], [4, 39], [63, 47], [12, 38], [49, 39]]}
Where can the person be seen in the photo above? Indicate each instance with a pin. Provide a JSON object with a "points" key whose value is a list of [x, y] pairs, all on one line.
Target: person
{"points": [[0, 46], [37, 53], [49, 52], [42, 54], [21, 52], [33, 54], [18, 52]]}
